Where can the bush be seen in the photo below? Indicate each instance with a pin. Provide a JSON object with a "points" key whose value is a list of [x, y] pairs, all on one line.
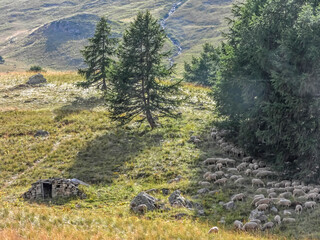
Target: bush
{"points": [[1, 60], [36, 68]]}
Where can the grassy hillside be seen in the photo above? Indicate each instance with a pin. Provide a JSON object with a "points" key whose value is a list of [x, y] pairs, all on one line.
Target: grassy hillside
{"points": [[118, 163], [51, 33]]}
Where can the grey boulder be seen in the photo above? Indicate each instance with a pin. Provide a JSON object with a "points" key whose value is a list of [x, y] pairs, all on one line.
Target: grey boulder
{"points": [[36, 79]]}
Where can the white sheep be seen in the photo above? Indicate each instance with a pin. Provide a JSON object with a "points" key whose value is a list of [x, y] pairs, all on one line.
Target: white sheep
{"points": [[235, 177], [310, 204], [214, 230], [211, 177], [238, 225], [298, 209], [285, 195], [272, 195], [287, 212], [219, 166], [209, 161], [277, 219], [288, 220], [298, 192], [250, 226], [242, 166], [312, 196], [238, 197], [257, 182], [284, 203], [267, 225], [221, 181], [239, 180], [262, 207], [248, 172], [263, 201]]}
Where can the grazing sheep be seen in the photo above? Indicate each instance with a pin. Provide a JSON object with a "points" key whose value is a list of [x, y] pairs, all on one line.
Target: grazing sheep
{"points": [[221, 181], [239, 180], [242, 166], [238, 197], [271, 190], [310, 204], [288, 220], [258, 196], [211, 177], [214, 230], [315, 190], [248, 172], [262, 174], [298, 192], [287, 212], [285, 195], [271, 184], [238, 225], [284, 203], [277, 219], [227, 161], [302, 198], [257, 221], [263, 201], [272, 195], [204, 184], [235, 177], [209, 161], [267, 225], [250, 226], [233, 170], [219, 166], [257, 182], [206, 175], [263, 207], [298, 209], [220, 173], [253, 166], [260, 190], [289, 189], [312, 196]]}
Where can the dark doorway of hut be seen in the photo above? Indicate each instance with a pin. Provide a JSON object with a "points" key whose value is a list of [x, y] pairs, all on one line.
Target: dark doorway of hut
{"points": [[47, 190]]}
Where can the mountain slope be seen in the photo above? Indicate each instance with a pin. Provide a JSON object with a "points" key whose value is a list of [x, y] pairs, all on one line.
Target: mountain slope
{"points": [[51, 33]]}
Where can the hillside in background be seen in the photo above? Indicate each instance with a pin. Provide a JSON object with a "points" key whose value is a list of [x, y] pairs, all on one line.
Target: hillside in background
{"points": [[51, 33]]}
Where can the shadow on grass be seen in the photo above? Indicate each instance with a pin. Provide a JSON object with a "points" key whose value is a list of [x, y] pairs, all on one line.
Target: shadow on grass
{"points": [[103, 158], [78, 105]]}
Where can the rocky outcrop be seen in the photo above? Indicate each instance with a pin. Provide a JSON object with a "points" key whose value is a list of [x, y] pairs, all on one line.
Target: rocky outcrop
{"points": [[36, 79], [145, 202]]}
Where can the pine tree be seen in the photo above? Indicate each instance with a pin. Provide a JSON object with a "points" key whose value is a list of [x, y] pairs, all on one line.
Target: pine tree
{"points": [[1, 60], [138, 89], [97, 56], [203, 69]]}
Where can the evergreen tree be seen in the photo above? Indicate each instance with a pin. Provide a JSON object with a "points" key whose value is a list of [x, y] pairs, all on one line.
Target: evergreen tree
{"points": [[138, 89], [269, 80], [203, 70], [97, 56], [1, 60]]}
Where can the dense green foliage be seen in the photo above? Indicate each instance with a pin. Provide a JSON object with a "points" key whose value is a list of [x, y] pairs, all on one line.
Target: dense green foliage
{"points": [[1, 60], [35, 68], [97, 55], [202, 70], [269, 79], [138, 88]]}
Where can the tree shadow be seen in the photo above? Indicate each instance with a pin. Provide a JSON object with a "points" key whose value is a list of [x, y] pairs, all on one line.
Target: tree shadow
{"points": [[78, 105], [104, 158]]}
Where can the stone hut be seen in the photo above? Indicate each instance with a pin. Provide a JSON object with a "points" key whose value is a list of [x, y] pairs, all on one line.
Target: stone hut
{"points": [[53, 188]]}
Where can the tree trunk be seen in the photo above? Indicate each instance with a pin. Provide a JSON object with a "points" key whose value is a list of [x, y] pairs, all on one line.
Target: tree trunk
{"points": [[150, 119], [104, 85]]}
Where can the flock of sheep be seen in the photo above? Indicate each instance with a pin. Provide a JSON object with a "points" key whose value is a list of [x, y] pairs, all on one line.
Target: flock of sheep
{"points": [[285, 199]]}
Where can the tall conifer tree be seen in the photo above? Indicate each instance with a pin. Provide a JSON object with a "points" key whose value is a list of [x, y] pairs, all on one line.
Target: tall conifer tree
{"points": [[97, 56], [138, 89]]}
